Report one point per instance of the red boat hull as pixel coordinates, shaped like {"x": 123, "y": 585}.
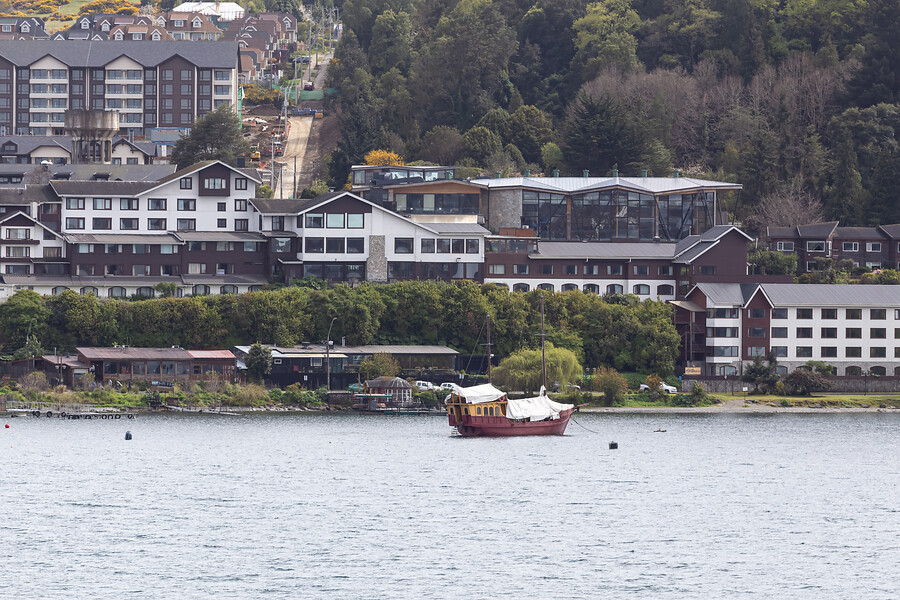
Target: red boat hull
{"x": 476, "y": 426}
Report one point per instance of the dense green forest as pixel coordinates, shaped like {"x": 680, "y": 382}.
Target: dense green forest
{"x": 621, "y": 331}
{"x": 798, "y": 100}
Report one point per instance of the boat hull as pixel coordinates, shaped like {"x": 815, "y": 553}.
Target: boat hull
{"x": 473, "y": 426}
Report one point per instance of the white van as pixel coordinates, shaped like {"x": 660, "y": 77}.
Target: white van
{"x": 425, "y": 385}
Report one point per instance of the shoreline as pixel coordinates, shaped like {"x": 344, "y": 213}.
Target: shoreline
{"x": 737, "y": 406}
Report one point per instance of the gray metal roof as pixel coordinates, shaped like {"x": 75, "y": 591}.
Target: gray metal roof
{"x": 825, "y": 295}
{"x": 821, "y": 230}
{"x": 82, "y": 53}
{"x": 317, "y": 349}
{"x": 27, "y": 194}
{"x": 467, "y": 228}
{"x": 604, "y": 250}
{"x": 858, "y": 233}
{"x": 730, "y": 294}
{"x": 220, "y": 236}
{"x": 283, "y": 206}
{"x": 694, "y": 252}
{"x": 573, "y": 185}
{"x": 121, "y": 238}
{"x": 100, "y": 188}
{"x": 26, "y": 144}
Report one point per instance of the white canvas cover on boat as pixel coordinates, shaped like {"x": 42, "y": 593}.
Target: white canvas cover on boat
{"x": 535, "y": 409}
{"x": 480, "y": 393}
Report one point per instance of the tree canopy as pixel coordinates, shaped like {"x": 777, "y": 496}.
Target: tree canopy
{"x": 215, "y": 136}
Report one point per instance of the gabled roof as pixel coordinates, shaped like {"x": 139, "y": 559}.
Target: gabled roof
{"x": 190, "y": 170}
{"x": 573, "y": 185}
{"x": 795, "y": 294}
{"x": 33, "y": 220}
{"x": 75, "y": 53}
{"x": 858, "y": 233}
{"x": 729, "y": 294}
{"x": 124, "y": 189}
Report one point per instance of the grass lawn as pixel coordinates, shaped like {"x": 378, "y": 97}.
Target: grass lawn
{"x": 824, "y": 399}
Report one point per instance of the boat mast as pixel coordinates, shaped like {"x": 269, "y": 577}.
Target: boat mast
{"x": 543, "y": 351}
{"x": 489, "y": 346}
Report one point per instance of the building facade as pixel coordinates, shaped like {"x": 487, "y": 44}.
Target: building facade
{"x": 145, "y": 85}
{"x": 817, "y": 244}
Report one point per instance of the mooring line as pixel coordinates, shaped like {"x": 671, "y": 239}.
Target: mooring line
{"x": 583, "y": 427}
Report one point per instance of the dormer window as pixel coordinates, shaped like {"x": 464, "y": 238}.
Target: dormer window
{"x": 155, "y": 36}
{"x": 137, "y": 36}
{"x": 161, "y": 22}
{"x": 25, "y": 28}
{"x": 119, "y": 36}
{"x": 179, "y": 22}
{"x": 7, "y": 28}
{"x": 104, "y": 26}
{"x": 85, "y": 25}
{"x": 196, "y": 23}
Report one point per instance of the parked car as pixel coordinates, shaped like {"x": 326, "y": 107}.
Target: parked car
{"x": 356, "y": 388}
{"x": 450, "y": 387}
{"x": 425, "y": 385}
{"x": 665, "y": 387}
{"x": 308, "y": 86}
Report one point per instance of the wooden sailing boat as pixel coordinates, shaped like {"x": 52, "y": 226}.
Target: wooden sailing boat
{"x": 483, "y": 410}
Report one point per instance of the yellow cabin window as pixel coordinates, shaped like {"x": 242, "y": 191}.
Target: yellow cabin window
{"x": 478, "y": 410}
{"x": 491, "y": 409}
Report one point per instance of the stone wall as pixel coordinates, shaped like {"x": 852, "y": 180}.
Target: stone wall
{"x": 376, "y": 264}
{"x": 504, "y": 209}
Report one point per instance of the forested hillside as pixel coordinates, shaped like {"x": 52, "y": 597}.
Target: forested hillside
{"x": 797, "y": 99}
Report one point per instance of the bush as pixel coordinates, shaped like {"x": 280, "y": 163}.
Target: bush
{"x": 612, "y": 384}
{"x": 682, "y": 400}
{"x": 698, "y": 393}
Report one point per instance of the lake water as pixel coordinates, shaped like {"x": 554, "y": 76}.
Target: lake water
{"x": 349, "y": 506}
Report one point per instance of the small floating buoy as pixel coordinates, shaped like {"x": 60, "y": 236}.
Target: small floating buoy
{"x": 613, "y": 445}
{"x": 7, "y": 426}
{"x": 127, "y": 435}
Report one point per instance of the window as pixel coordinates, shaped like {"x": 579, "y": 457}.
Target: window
{"x": 665, "y": 271}
{"x": 187, "y": 204}
{"x": 240, "y": 205}
{"x": 779, "y": 313}
{"x": 877, "y": 352}
{"x": 546, "y": 269}
{"x": 756, "y": 332}
{"x": 156, "y": 204}
{"x": 334, "y": 245}
{"x": 240, "y": 183}
{"x": 355, "y": 221}
{"x": 104, "y": 223}
{"x": 168, "y": 249}
{"x": 665, "y": 290}
{"x": 102, "y": 203}
{"x": 779, "y": 351}
{"x": 128, "y": 204}
{"x": 641, "y": 270}
{"x": 722, "y": 332}
{"x": 853, "y": 352}
{"x": 853, "y": 333}
{"x": 215, "y": 183}
{"x": 877, "y": 333}
{"x": 403, "y": 245}
{"x": 241, "y": 224}
{"x": 496, "y": 269}
{"x": 128, "y": 224}
{"x": 804, "y": 351}
{"x": 722, "y": 351}
{"x": 185, "y": 183}
{"x": 804, "y": 332}
{"x": 785, "y": 246}
{"x": 443, "y": 246}
{"x": 314, "y": 245}
{"x": 74, "y": 222}
{"x": 18, "y": 233}
{"x": 222, "y": 223}
{"x": 779, "y": 332}
{"x": 428, "y": 246}
{"x": 520, "y": 269}
{"x": 877, "y": 314}
{"x": 615, "y": 288}
{"x": 186, "y": 224}
{"x": 873, "y": 247}
{"x": 334, "y": 220}
{"x": 754, "y": 351}
{"x": 850, "y": 247}
{"x": 456, "y": 245}
{"x": 140, "y": 270}
{"x": 355, "y": 246}
{"x": 472, "y": 246}
{"x": 829, "y": 313}
{"x": 756, "y": 313}
{"x": 707, "y": 270}
{"x": 829, "y": 351}
{"x": 829, "y": 332}
{"x": 156, "y": 224}
{"x": 75, "y": 203}
{"x": 817, "y": 246}
{"x": 804, "y": 313}
{"x": 854, "y": 313}
{"x": 723, "y": 313}
{"x": 642, "y": 289}
{"x": 613, "y": 269}
{"x": 18, "y": 251}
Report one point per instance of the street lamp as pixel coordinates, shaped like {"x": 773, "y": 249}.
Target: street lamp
{"x": 328, "y": 356}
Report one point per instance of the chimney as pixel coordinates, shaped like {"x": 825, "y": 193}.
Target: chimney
{"x": 644, "y": 173}
{"x": 527, "y": 172}
{"x": 556, "y": 172}
{"x": 586, "y": 173}
{"x": 676, "y": 173}
{"x": 615, "y": 172}
{"x": 497, "y": 175}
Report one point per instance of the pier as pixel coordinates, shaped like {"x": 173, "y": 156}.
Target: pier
{"x": 50, "y": 410}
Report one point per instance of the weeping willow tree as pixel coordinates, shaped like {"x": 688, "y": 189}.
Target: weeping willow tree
{"x": 522, "y": 370}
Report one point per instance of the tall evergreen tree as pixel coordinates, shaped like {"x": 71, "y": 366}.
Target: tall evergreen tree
{"x": 216, "y": 136}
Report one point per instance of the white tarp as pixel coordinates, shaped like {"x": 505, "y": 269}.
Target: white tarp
{"x": 535, "y": 409}
{"x": 480, "y": 393}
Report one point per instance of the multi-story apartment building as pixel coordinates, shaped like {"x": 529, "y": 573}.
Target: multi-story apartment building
{"x": 855, "y": 328}
{"x": 147, "y": 85}
{"x": 867, "y": 247}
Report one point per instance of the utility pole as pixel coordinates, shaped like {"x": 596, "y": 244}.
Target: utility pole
{"x": 328, "y": 356}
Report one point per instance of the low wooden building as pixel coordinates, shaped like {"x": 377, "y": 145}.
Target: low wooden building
{"x": 168, "y": 365}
